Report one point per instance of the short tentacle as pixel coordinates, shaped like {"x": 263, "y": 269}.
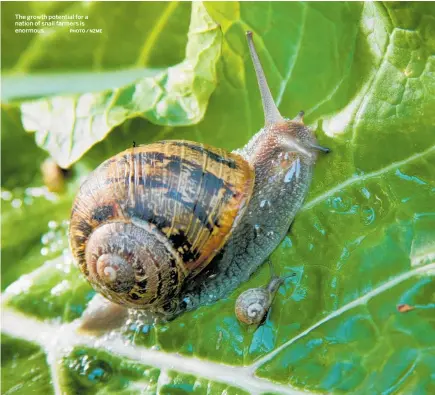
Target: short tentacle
{"x": 300, "y": 117}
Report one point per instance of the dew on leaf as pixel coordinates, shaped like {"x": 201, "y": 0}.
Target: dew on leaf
{"x": 52, "y": 224}
{"x": 90, "y": 371}
{"x": 6, "y": 195}
{"x": 365, "y": 192}
{"x": 368, "y": 215}
{"x": 342, "y": 205}
{"x": 55, "y": 240}
{"x": 47, "y": 237}
{"x": 16, "y": 203}
{"x": 41, "y": 192}
{"x": 60, "y": 288}
{"x": 406, "y": 177}
{"x": 54, "y": 247}
{"x": 21, "y": 286}
{"x": 320, "y": 228}
{"x": 287, "y": 242}
{"x": 299, "y": 294}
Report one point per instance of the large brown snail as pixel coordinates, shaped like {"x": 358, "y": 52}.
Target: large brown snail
{"x": 174, "y": 225}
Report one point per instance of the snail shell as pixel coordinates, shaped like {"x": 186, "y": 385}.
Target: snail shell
{"x": 253, "y": 304}
{"x": 153, "y": 216}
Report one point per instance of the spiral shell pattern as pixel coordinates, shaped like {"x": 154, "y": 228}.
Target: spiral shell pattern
{"x": 253, "y": 305}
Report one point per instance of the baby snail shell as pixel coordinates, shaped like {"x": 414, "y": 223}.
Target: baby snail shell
{"x": 253, "y": 305}
{"x": 168, "y": 227}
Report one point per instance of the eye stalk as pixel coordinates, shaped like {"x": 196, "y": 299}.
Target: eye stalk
{"x": 271, "y": 112}
{"x": 272, "y": 115}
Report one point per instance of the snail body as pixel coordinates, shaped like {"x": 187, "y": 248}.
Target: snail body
{"x": 174, "y": 225}
{"x": 253, "y": 304}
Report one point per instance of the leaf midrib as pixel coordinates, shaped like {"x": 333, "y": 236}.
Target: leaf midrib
{"x": 63, "y": 337}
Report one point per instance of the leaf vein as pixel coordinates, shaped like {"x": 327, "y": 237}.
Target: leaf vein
{"x": 427, "y": 269}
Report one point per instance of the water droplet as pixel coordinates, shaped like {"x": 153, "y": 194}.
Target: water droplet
{"x": 319, "y": 228}
{"x": 342, "y": 205}
{"x": 60, "y": 288}
{"x": 52, "y": 224}
{"x": 44, "y": 251}
{"x": 264, "y": 202}
{"x": 287, "y": 242}
{"x": 53, "y": 247}
{"x": 368, "y": 215}
{"x": 406, "y": 177}
{"x": 45, "y": 239}
{"x": 67, "y": 259}
{"x": 187, "y": 300}
{"x": 6, "y": 195}
{"x": 365, "y": 192}
{"x": 90, "y": 371}
{"x": 41, "y": 192}
{"x": 16, "y": 203}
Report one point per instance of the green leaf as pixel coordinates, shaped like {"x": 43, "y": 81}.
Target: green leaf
{"x": 67, "y": 126}
{"x": 133, "y": 34}
{"x": 24, "y": 368}
{"x": 90, "y": 371}
{"x": 27, "y": 207}
{"x": 361, "y": 247}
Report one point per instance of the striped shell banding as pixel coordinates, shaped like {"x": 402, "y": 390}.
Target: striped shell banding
{"x": 164, "y": 210}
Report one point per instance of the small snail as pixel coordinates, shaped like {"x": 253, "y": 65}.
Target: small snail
{"x": 253, "y": 305}
{"x": 173, "y": 225}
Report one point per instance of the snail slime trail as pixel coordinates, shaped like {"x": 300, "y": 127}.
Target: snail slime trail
{"x": 173, "y": 225}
